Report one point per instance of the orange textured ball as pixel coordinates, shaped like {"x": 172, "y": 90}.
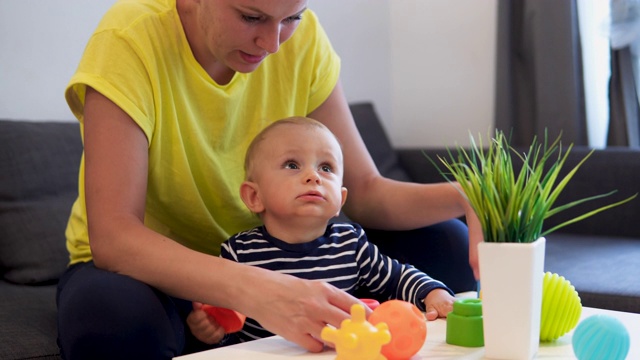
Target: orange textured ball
{"x": 407, "y": 325}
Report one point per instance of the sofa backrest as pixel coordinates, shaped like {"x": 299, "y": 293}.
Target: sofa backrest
{"x": 39, "y": 164}
{"x": 377, "y": 141}
{"x": 613, "y": 168}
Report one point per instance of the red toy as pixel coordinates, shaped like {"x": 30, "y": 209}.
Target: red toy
{"x": 232, "y": 321}
{"x": 371, "y": 303}
{"x": 407, "y": 325}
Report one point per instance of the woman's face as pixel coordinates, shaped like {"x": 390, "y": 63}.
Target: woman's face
{"x": 238, "y": 34}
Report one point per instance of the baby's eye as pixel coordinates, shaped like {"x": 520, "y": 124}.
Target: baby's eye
{"x": 291, "y": 165}
{"x": 326, "y": 168}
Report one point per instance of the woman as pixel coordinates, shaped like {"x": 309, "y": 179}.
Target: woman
{"x": 169, "y": 94}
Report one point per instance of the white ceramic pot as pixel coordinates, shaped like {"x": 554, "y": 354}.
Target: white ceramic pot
{"x": 511, "y": 283}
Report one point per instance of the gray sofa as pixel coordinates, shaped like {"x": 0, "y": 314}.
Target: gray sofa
{"x": 38, "y": 177}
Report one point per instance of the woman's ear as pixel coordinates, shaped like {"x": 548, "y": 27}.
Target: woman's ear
{"x": 344, "y": 199}
{"x": 250, "y": 197}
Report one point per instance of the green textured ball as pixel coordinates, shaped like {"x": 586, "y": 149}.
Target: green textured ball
{"x": 561, "y": 307}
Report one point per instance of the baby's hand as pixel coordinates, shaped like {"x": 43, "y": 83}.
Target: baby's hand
{"x": 438, "y": 304}
{"x": 204, "y": 327}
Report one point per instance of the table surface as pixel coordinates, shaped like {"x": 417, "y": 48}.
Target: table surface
{"x": 435, "y": 346}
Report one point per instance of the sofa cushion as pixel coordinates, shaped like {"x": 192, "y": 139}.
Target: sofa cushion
{"x": 28, "y": 322}
{"x": 39, "y": 164}
{"x": 604, "y": 270}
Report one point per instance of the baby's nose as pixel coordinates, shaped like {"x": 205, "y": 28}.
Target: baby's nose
{"x": 313, "y": 177}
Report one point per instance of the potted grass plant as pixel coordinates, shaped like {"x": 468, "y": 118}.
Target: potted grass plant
{"x": 512, "y": 206}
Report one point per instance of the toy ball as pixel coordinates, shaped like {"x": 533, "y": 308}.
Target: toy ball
{"x": 561, "y": 307}
{"x": 601, "y": 337}
{"x": 407, "y": 326}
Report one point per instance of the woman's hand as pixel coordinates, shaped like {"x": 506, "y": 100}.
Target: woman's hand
{"x": 475, "y": 238}
{"x": 299, "y": 309}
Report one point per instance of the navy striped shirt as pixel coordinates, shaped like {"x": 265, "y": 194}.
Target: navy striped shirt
{"x": 342, "y": 257}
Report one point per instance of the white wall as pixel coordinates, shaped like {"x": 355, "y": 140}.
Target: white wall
{"x": 360, "y": 32}
{"x": 41, "y": 43}
{"x": 443, "y": 70}
{"x": 428, "y": 65}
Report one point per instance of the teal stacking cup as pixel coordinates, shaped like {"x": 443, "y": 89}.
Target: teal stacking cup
{"x": 464, "y": 323}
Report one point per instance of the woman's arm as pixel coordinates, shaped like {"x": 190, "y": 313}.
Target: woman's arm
{"x": 116, "y": 161}
{"x": 378, "y": 202}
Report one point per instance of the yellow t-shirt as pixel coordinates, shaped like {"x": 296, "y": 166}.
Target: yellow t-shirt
{"x": 198, "y": 131}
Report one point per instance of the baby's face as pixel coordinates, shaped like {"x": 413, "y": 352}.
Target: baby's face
{"x": 298, "y": 170}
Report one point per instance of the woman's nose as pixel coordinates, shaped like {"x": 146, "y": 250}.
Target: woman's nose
{"x": 269, "y": 39}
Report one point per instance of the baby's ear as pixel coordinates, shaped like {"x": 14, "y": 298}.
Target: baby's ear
{"x": 250, "y": 197}
{"x": 344, "y": 199}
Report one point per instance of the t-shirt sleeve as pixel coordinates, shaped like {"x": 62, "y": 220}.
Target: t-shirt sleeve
{"x": 326, "y": 69}
{"x": 113, "y": 65}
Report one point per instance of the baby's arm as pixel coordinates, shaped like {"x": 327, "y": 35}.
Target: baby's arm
{"x": 204, "y": 327}
{"x": 438, "y": 303}
{"x": 402, "y": 281}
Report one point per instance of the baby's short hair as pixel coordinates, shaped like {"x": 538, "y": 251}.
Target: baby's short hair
{"x": 294, "y": 120}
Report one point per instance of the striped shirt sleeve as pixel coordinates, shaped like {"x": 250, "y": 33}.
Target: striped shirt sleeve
{"x": 390, "y": 279}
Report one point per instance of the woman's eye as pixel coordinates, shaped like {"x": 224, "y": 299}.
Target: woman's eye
{"x": 294, "y": 18}
{"x": 250, "y": 19}
{"x": 291, "y": 165}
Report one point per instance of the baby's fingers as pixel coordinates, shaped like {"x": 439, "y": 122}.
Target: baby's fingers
{"x": 431, "y": 313}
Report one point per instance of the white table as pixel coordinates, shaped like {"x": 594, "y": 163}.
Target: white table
{"x": 435, "y": 347}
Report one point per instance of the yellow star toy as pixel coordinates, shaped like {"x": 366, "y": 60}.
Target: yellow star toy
{"x": 357, "y": 339}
